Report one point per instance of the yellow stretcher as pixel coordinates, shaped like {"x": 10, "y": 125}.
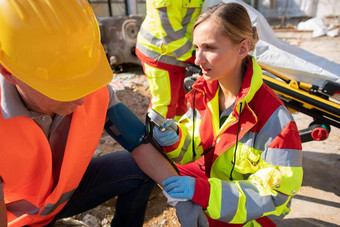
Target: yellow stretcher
{"x": 316, "y": 102}
{"x": 322, "y": 103}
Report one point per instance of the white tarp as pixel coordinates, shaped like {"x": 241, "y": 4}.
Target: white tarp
{"x": 318, "y": 27}
{"x": 287, "y": 8}
{"x": 285, "y": 59}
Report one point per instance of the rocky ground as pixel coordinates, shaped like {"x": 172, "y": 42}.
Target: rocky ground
{"x": 318, "y": 201}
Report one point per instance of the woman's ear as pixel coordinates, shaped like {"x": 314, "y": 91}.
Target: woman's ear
{"x": 244, "y": 48}
{"x": 8, "y": 76}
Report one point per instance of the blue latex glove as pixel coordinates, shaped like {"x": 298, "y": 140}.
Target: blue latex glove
{"x": 182, "y": 187}
{"x": 167, "y": 137}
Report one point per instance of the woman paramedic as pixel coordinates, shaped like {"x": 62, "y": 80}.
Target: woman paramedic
{"x": 238, "y": 148}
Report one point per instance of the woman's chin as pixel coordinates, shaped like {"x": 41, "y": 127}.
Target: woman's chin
{"x": 207, "y": 77}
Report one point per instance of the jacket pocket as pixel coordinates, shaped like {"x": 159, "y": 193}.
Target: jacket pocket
{"x": 247, "y": 159}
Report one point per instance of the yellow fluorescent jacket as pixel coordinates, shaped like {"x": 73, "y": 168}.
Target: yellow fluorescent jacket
{"x": 26, "y": 164}
{"x": 166, "y": 32}
{"x": 268, "y": 159}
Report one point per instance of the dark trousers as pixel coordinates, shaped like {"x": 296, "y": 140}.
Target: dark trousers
{"x": 107, "y": 176}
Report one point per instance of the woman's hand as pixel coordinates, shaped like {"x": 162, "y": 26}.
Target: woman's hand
{"x": 167, "y": 137}
{"x": 180, "y": 187}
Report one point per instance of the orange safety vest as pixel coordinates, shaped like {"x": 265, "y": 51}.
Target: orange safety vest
{"x": 26, "y": 162}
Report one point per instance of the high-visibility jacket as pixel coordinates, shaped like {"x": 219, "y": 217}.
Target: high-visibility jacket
{"x": 166, "y": 32}
{"x": 26, "y": 162}
{"x": 252, "y": 174}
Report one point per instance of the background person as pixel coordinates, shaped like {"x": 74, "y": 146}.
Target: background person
{"x": 243, "y": 143}
{"x": 164, "y": 46}
{"x": 55, "y": 102}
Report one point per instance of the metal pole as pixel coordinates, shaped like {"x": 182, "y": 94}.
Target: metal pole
{"x": 131, "y": 7}
{"x": 110, "y": 9}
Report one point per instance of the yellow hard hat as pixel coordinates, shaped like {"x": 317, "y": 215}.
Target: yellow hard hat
{"x": 53, "y": 46}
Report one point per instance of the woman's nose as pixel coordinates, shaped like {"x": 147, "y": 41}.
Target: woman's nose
{"x": 199, "y": 59}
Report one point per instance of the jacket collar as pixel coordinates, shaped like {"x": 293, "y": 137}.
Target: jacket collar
{"x": 251, "y": 83}
{"x": 11, "y": 102}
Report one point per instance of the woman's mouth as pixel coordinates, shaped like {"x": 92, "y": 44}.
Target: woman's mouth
{"x": 205, "y": 71}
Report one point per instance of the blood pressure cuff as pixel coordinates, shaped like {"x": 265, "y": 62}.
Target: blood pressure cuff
{"x": 125, "y": 127}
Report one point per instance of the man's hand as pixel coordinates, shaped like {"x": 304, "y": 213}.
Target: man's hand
{"x": 190, "y": 214}
{"x": 167, "y": 137}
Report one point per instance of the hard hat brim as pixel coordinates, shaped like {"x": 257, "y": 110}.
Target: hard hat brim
{"x": 76, "y": 88}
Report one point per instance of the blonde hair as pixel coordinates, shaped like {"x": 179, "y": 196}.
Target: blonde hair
{"x": 234, "y": 20}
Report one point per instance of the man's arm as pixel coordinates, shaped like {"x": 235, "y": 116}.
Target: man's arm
{"x": 125, "y": 127}
{"x": 152, "y": 163}
{"x": 129, "y": 131}
{"x": 3, "y": 214}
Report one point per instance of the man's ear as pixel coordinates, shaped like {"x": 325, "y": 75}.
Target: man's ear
{"x": 244, "y": 48}
{"x": 8, "y": 76}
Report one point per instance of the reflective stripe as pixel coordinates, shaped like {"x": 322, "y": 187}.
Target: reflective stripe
{"x": 229, "y": 203}
{"x": 248, "y": 139}
{"x": 278, "y": 219}
{"x": 158, "y": 57}
{"x": 273, "y": 127}
{"x": 189, "y": 114}
{"x": 188, "y": 17}
{"x": 148, "y": 36}
{"x": 183, "y": 49}
{"x": 170, "y": 37}
{"x": 21, "y": 207}
{"x": 274, "y": 156}
{"x": 279, "y": 199}
{"x": 51, "y": 207}
{"x": 184, "y": 148}
{"x": 283, "y": 157}
{"x": 171, "y": 34}
{"x": 188, "y": 140}
{"x": 256, "y": 205}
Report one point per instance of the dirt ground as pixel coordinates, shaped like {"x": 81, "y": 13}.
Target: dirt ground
{"x": 317, "y": 203}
